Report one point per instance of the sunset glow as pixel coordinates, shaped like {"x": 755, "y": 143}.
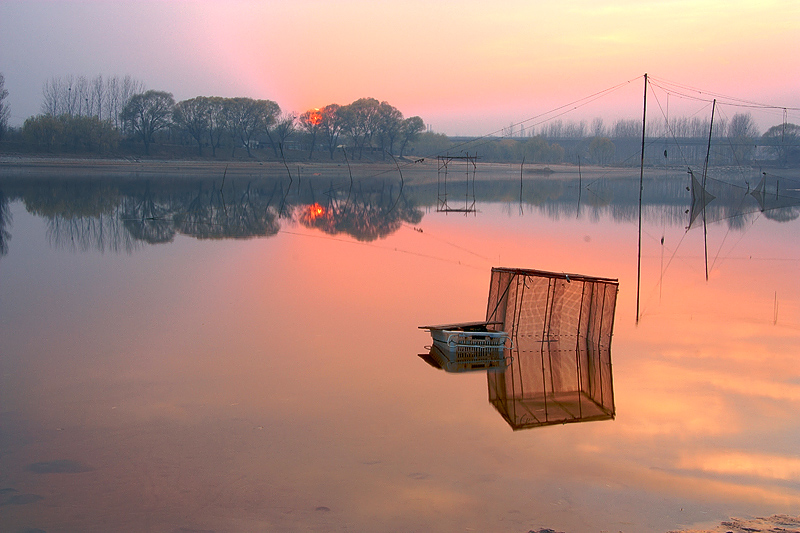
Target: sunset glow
{"x": 313, "y": 212}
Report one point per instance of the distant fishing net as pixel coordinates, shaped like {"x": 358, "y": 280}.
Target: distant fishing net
{"x": 561, "y": 327}
{"x": 776, "y": 197}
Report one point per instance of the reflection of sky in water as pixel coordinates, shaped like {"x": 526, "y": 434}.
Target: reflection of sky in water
{"x": 273, "y": 383}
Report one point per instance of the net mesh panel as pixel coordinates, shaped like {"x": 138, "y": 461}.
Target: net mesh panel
{"x": 701, "y": 197}
{"x": 561, "y": 329}
{"x": 780, "y": 195}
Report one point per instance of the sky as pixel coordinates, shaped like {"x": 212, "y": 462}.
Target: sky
{"x": 467, "y": 67}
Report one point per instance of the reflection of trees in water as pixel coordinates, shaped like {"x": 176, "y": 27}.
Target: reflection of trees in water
{"x": 203, "y": 214}
{"x": 71, "y": 199}
{"x": 86, "y": 217}
{"x": 148, "y": 218}
{"x": 119, "y": 216}
{"x": 783, "y": 214}
{"x": 105, "y": 232}
{"x": 81, "y": 216}
{"x": 364, "y": 215}
{"x": 210, "y": 216}
{"x": 5, "y": 222}
{"x": 665, "y": 201}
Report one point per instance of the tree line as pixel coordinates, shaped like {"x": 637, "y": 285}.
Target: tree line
{"x": 97, "y": 114}
{"x": 737, "y": 141}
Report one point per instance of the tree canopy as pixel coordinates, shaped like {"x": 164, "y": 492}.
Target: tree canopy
{"x": 146, "y": 113}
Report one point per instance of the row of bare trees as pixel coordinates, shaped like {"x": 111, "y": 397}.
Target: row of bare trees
{"x": 101, "y": 97}
{"x": 4, "y": 109}
{"x": 740, "y": 125}
{"x": 738, "y": 136}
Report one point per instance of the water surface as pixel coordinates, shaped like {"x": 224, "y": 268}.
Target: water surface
{"x": 192, "y": 354}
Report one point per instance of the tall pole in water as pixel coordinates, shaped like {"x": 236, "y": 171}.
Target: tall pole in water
{"x": 641, "y": 186}
{"x": 703, "y": 192}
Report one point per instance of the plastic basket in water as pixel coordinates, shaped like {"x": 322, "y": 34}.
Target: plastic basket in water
{"x": 471, "y": 346}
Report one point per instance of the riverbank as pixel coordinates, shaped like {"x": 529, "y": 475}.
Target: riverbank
{"x": 418, "y": 170}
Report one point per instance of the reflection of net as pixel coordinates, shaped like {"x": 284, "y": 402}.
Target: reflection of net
{"x": 561, "y": 328}
{"x": 777, "y": 197}
{"x": 700, "y": 199}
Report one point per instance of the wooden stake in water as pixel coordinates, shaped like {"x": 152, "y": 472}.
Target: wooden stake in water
{"x": 775, "y": 312}
{"x": 641, "y": 186}
{"x": 703, "y": 192}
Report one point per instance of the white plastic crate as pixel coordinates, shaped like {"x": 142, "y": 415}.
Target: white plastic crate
{"x": 461, "y": 347}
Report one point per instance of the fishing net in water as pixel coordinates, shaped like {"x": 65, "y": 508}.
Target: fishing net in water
{"x": 714, "y": 200}
{"x": 560, "y": 326}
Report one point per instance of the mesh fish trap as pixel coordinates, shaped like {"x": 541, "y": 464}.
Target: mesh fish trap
{"x": 560, "y": 326}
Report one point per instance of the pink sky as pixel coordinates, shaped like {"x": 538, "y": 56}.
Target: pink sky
{"x": 467, "y": 67}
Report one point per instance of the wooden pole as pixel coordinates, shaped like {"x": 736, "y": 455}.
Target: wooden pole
{"x": 641, "y": 186}
{"x": 703, "y": 192}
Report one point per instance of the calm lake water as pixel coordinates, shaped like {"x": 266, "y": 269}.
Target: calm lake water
{"x": 181, "y": 354}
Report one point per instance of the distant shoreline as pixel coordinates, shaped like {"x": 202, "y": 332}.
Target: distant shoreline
{"x": 27, "y": 166}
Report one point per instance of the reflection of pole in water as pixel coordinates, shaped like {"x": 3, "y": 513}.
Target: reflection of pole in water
{"x": 402, "y": 184}
{"x": 775, "y": 312}
{"x": 641, "y": 186}
{"x": 222, "y": 192}
{"x": 661, "y": 279}
{"x": 520, "y": 184}
{"x": 705, "y": 174}
{"x": 289, "y": 188}
{"x": 580, "y": 187}
{"x": 349, "y": 171}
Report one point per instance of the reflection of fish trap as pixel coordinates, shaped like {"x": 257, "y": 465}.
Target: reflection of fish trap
{"x": 561, "y": 327}
{"x": 468, "y": 346}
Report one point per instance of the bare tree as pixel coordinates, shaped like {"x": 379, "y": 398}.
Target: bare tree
{"x": 310, "y": 123}
{"x": 280, "y": 131}
{"x": 52, "y": 100}
{"x": 248, "y": 118}
{"x": 146, "y": 113}
{"x": 217, "y": 122}
{"x": 555, "y": 129}
{"x": 742, "y": 134}
{"x": 80, "y": 96}
{"x": 193, "y": 116}
{"x": 742, "y": 125}
{"x": 111, "y": 101}
{"x": 97, "y": 95}
{"x": 390, "y": 123}
{"x": 361, "y": 120}
{"x": 5, "y": 111}
{"x": 575, "y": 130}
{"x": 331, "y": 125}
{"x": 626, "y": 128}
{"x": 65, "y": 96}
{"x": 601, "y": 149}
{"x": 784, "y": 141}
{"x": 698, "y": 127}
{"x": 101, "y": 97}
{"x": 598, "y": 129}
{"x": 410, "y": 131}
{"x": 128, "y": 87}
